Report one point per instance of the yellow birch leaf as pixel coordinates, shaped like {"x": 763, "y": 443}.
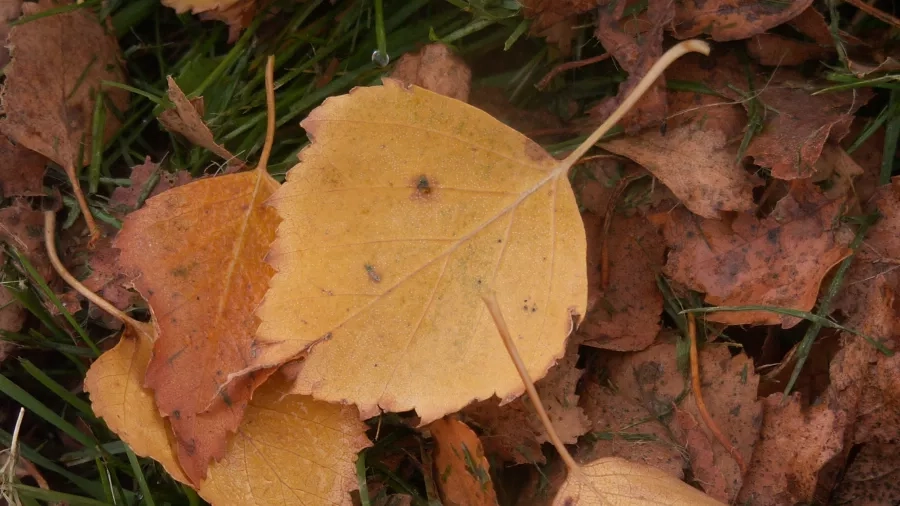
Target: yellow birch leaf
{"x": 291, "y": 450}
{"x": 406, "y": 207}
{"x": 612, "y": 481}
{"x": 115, "y": 383}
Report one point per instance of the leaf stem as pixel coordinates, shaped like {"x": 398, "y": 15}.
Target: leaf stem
{"x": 270, "y": 109}
{"x": 675, "y": 52}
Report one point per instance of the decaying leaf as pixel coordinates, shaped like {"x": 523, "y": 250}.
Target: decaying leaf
{"x": 798, "y": 124}
{"x": 624, "y": 315}
{"x": 58, "y": 63}
{"x": 513, "y": 432}
{"x": 200, "y": 249}
{"x": 437, "y": 69}
{"x": 9, "y": 11}
{"x": 547, "y": 13}
{"x": 635, "y": 53}
{"x": 732, "y": 19}
{"x": 651, "y": 379}
{"x": 623, "y": 427}
{"x": 794, "y": 444}
{"x": 187, "y": 119}
{"x": 147, "y": 180}
{"x": 288, "y": 450}
{"x": 237, "y": 14}
{"x": 23, "y": 229}
{"x": 115, "y": 384}
{"x": 21, "y": 170}
{"x": 696, "y": 158}
{"x": 836, "y": 170}
{"x": 612, "y": 480}
{"x": 777, "y": 261}
{"x": 462, "y": 471}
{"x": 385, "y": 249}
{"x": 871, "y": 479}
{"x": 776, "y": 50}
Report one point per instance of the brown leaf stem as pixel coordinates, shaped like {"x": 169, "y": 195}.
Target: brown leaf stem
{"x": 83, "y": 205}
{"x": 562, "y": 67}
{"x": 270, "y": 116}
{"x": 698, "y": 397}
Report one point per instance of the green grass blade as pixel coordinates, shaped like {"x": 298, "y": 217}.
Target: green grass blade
{"x": 139, "y": 476}
{"x": 58, "y": 497}
{"x": 70, "y": 398}
{"x": 38, "y": 408}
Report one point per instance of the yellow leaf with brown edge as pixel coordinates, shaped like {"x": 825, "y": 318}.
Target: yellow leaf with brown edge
{"x": 612, "y": 481}
{"x": 291, "y": 450}
{"x": 200, "y": 249}
{"x": 404, "y": 209}
{"x": 115, "y": 383}
{"x": 462, "y": 470}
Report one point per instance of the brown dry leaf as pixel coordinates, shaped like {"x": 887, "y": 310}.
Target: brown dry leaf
{"x": 812, "y": 23}
{"x": 462, "y": 471}
{"x": 58, "y": 63}
{"x": 798, "y": 124}
{"x": 437, "y": 69}
{"x": 23, "y": 229}
{"x": 9, "y": 11}
{"x": 612, "y": 480}
{"x": 200, "y": 249}
{"x": 871, "y": 479}
{"x": 108, "y": 277}
{"x": 21, "y": 170}
{"x": 237, "y": 14}
{"x": 651, "y": 379}
{"x": 838, "y": 170}
{"x": 635, "y": 53}
{"x": 513, "y": 432}
{"x": 289, "y": 450}
{"x": 623, "y": 427}
{"x": 625, "y": 316}
{"x": 794, "y": 444}
{"x": 186, "y": 118}
{"x": 696, "y": 158}
{"x": 777, "y": 261}
{"x": 386, "y": 248}
{"x": 732, "y": 19}
{"x": 115, "y": 384}
{"x": 547, "y": 13}
{"x": 776, "y": 50}
{"x": 147, "y": 180}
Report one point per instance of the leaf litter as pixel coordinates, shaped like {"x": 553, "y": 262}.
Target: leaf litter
{"x": 746, "y": 181}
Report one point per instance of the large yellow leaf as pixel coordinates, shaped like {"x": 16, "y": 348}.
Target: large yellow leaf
{"x": 407, "y": 207}
{"x": 291, "y": 450}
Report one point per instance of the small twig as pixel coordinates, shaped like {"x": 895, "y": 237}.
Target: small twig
{"x": 568, "y": 66}
{"x": 607, "y": 222}
{"x": 698, "y": 398}
{"x": 875, "y": 13}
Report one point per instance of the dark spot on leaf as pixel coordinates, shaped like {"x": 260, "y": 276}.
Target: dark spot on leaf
{"x": 425, "y": 187}
{"x": 225, "y": 398}
{"x": 373, "y": 275}
{"x": 176, "y": 414}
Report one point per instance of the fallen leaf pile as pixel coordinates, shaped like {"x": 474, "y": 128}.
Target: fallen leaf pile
{"x": 289, "y": 324}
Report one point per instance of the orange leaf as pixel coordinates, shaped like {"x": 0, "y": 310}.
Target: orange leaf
{"x": 776, "y": 261}
{"x": 462, "y": 469}
{"x": 407, "y": 206}
{"x": 200, "y": 249}
{"x": 291, "y": 450}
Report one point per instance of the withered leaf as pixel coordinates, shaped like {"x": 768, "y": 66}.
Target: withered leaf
{"x": 200, "y": 249}
{"x": 461, "y": 469}
{"x": 776, "y": 50}
{"x": 794, "y": 444}
{"x": 21, "y": 170}
{"x": 147, "y": 180}
{"x": 732, "y": 19}
{"x": 871, "y": 479}
{"x": 237, "y": 14}
{"x": 625, "y": 315}
{"x": 437, "y": 69}
{"x": 777, "y": 261}
{"x": 186, "y": 118}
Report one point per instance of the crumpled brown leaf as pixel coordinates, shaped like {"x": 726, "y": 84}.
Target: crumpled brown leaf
{"x": 635, "y": 53}
{"x": 777, "y": 261}
{"x": 21, "y": 170}
{"x": 777, "y": 50}
{"x": 871, "y": 479}
{"x": 58, "y": 64}
{"x": 23, "y": 229}
{"x": 732, "y": 19}
{"x": 237, "y": 14}
{"x": 147, "y": 180}
{"x": 436, "y": 68}
{"x": 186, "y": 118}
{"x": 794, "y": 444}
{"x": 547, "y": 13}
{"x": 626, "y": 314}
{"x": 513, "y": 432}
{"x": 9, "y": 11}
